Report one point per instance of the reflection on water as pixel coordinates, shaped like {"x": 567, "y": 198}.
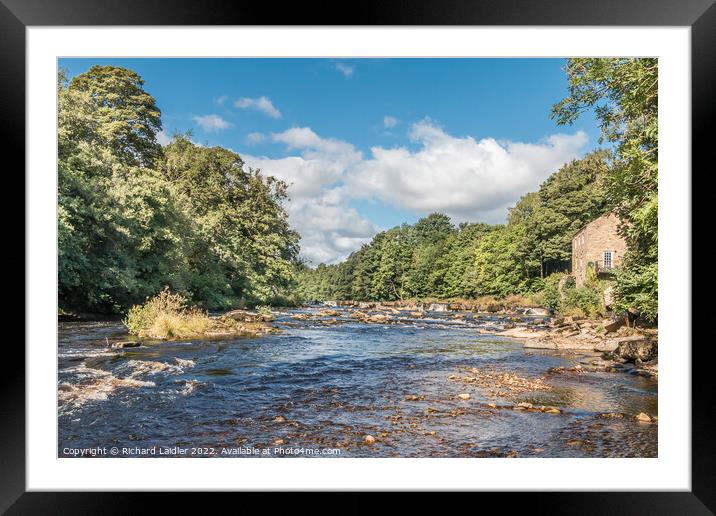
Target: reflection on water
{"x": 330, "y": 385}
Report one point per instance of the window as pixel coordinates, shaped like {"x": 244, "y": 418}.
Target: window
{"x": 607, "y": 259}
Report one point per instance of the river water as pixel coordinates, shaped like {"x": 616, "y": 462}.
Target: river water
{"x": 319, "y": 389}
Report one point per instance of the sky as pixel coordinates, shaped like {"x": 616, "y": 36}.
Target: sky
{"x": 368, "y": 144}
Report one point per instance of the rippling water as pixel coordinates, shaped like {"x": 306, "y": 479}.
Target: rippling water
{"x": 325, "y": 387}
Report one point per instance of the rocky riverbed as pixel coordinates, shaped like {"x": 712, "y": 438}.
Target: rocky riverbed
{"x": 366, "y": 381}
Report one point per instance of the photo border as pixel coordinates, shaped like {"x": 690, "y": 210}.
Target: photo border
{"x": 700, "y": 15}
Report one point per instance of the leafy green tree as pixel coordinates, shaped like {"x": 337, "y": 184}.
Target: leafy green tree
{"x": 565, "y": 202}
{"x": 115, "y": 221}
{"x": 624, "y": 95}
{"x": 498, "y": 269}
{"x": 241, "y": 224}
{"x": 126, "y": 116}
{"x": 133, "y": 219}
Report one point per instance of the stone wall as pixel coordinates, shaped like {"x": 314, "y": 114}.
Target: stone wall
{"x": 590, "y": 243}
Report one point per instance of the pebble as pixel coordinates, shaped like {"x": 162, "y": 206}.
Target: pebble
{"x": 643, "y": 418}
{"x": 279, "y": 419}
{"x": 369, "y": 439}
{"x": 463, "y": 396}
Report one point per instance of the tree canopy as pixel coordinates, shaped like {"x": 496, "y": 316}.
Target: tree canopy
{"x": 134, "y": 218}
{"x": 624, "y": 95}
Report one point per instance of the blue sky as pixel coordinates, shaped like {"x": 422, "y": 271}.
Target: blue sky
{"x": 367, "y": 144}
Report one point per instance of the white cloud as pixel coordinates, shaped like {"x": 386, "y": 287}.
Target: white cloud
{"x": 212, "y": 123}
{"x": 329, "y": 229}
{"x": 460, "y": 176}
{"x": 262, "y": 104}
{"x": 468, "y": 179}
{"x": 345, "y": 69}
{"x": 389, "y": 121}
{"x": 222, "y": 99}
{"x": 255, "y": 138}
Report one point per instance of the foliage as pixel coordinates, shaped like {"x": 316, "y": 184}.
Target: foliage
{"x": 570, "y": 198}
{"x": 133, "y": 217}
{"x": 166, "y": 315}
{"x": 624, "y": 94}
{"x": 636, "y": 286}
{"x": 125, "y": 116}
{"x": 551, "y": 295}
{"x": 264, "y": 310}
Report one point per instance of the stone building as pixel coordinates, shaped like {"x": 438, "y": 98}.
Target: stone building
{"x": 598, "y": 245}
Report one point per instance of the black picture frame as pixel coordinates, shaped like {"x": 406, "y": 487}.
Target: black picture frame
{"x": 700, "y": 15}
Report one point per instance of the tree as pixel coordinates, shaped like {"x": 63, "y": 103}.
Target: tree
{"x": 133, "y": 219}
{"x": 624, "y": 94}
{"x": 498, "y": 270}
{"x": 126, "y": 116}
{"x": 117, "y": 225}
{"x": 244, "y": 239}
{"x": 565, "y": 202}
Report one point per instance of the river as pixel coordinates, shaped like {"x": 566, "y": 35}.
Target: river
{"x": 319, "y": 389}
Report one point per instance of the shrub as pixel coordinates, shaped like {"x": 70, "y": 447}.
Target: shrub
{"x": 586, "y": 301}
{"x": 550, "y": 294}
{"x": 264, "y": 310}
{"x": 166, "y": 315}
{"x": 637, "y": 286}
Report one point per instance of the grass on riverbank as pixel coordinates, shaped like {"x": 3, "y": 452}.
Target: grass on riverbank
{"x": 167, "y": 316}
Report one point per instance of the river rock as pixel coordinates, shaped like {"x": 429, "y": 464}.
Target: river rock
{"x": 615, "y": 325}
{"x": 126, "y": 344}
{"x": 643, "y": 418}
{"x": 580, "y": 342}
{"x": 438, "y": 307}
{"x": 329, "y": 313}
{"x": 632, "y": 348}
{"x": 369, "y": 439}
{"x": 463, "y": 396}
{"x": 540, "y": 344}
{"x": 537, "y": 311}
{"x": 606, "y": 346}
{"x": 248, "y": 316}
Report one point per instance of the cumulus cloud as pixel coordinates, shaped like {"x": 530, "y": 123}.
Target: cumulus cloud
{"x": 212, "y": 123}
{"x": 389, "y": 121}
{"x": 262, "y": 104}
{"x": 330, "y": 230}
{"x": 345, "y": 69}
{"x": 468, "y": 179}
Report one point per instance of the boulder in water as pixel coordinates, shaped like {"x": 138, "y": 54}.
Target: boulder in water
{"x": 248, "y": 316}
{"x": 126, "y": 344}
{"x": 630, "y": 349}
